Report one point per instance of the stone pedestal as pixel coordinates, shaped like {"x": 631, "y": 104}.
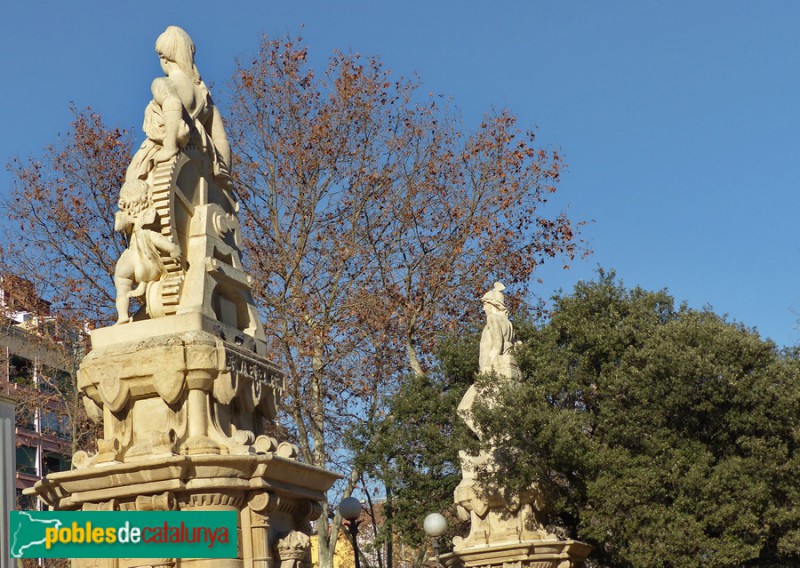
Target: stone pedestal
{"x": 505, "y": 531}
{"x": 183, "y": 415}
{"x": 541, "y": 553}
{"x": 274, "y": 496}
{"x": 183, "y": 391}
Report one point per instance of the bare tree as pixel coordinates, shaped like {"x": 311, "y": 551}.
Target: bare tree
{"x": 61, "y": 207}
{"x": 373, "y": 220}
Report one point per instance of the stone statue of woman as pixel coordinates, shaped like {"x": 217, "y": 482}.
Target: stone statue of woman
{"x": 180, "y": 113}
{"x": 496, "y": 349}
{"x": 511, "y": 513}
{"x": 497, "y": 337}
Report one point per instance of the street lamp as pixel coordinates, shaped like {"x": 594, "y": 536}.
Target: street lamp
{"x": 435, "y": 526}
{"x": 350, "y": 510}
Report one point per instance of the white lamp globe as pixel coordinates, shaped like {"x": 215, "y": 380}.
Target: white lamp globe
{"x": 435, "y": 525}
{"x": 350, "y": 508}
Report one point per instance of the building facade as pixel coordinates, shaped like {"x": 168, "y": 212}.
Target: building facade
{"x": 34, "y": 374}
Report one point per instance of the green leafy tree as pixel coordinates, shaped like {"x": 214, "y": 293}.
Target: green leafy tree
{"x": 412, "y": 455}
{"x": 662, "y": 435}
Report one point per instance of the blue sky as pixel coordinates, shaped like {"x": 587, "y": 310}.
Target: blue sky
{"x": 679, "y": 120}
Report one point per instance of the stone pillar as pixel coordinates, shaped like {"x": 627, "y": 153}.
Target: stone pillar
{"x": 7, "y": 472}
{"x": 255, "y": 530}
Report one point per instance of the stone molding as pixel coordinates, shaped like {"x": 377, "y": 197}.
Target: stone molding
{"x": 540, "y": 553}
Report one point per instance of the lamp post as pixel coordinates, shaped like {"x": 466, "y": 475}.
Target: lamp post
{"x": 435, "y": 526}
{"x": 350, "y": 510}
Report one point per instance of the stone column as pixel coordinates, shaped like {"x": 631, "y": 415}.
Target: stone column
{"x": 256, "y": 531}
{"x": 7, "y": 472}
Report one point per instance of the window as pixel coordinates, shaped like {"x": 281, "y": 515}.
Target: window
{"x": 50, "y": 424}
{"x": 20, "y": 370}
{"x": 25, "y": 502}
{"x": 63, "y": 431}
{"x": 63, "y": 380}
{"x": 53, "y": 380}
{"x": 55, "y": 462}
{"x": 55, "y": 425}
{"x": 26, "y": 417}
{"x": 26, "y": 460}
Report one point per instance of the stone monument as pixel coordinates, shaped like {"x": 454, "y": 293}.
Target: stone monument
{"x": 183, "y": 384}
{"x": 505, "y": 530}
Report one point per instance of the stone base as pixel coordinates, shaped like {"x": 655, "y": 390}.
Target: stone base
{"x": 496, "y": 516}
{"x": 529, "y": 554}
{"x": 188, "y": 392}
{"x": 275, "y": 498}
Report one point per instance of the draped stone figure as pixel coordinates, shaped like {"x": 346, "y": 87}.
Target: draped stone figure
{"x": 505, "y": 527}
{"x": 497, "y": 338}
{"x": 184, "y": 253}
{"x": 181, "y": 112}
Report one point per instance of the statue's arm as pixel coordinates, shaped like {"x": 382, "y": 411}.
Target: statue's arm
{"x": 122, "y": 221}
{"x": 491, "y": 345}
{"x": 147, "y": 217}
{"x": 164, "y": 244}
{"x": 162, "y": 89}
{"x": 175, "y": 130}
{"x": 216, "y": 130}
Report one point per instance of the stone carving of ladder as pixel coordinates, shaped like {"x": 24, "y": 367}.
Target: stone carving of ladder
{"x": 172, "y": 278}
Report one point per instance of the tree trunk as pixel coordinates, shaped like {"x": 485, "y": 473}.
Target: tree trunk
{"x": 388, "y": 511}
{"x": 422, "y": 556}
{"x": 327, "y": 535}
{"x": 413, "y": 360}
{"x": 324, "y": 550}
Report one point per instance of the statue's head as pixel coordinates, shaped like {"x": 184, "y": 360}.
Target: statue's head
{"x": 135, "y": 197}
{"x": 494, "y": 298}
{"x": 176, "y": 46}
